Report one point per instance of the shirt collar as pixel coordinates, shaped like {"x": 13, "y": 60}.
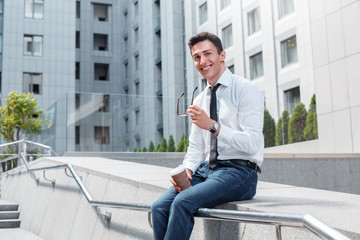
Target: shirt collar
{"x": 223, "y": 80}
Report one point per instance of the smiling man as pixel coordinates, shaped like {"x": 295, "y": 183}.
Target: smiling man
{"x": 225, "y": 145}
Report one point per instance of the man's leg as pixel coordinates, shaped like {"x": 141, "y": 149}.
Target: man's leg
{"x": 223, "y": 184}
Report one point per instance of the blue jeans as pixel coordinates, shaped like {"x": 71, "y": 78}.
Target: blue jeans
{"x": 172, "y": 212}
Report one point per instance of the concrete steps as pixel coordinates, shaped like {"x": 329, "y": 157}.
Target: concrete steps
{"x": 9, "y": 215}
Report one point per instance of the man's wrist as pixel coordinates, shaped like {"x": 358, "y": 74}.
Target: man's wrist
{"x": 214, "y": 128}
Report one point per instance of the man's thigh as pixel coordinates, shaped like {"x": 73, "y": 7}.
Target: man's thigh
{"x": 224, "y": 184}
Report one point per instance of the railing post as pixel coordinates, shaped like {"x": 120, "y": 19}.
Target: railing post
{"x": 278, "y": 232}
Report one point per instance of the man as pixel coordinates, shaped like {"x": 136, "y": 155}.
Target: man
{"x": 224, "y": 152}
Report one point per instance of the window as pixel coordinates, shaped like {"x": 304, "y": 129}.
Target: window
{"x": 292, "y": 98}
{"x": 136, "y": 34}
{"x": 231, "y": 68}
{"x": 105, "y": 104}
{"x": 254, "y": 21}
{"x": 33, "y": 45}
{"x": 126, "y": 18}
{"x": 126, "y": 66}
{"x": 77, "y": 39}
{"x": 137, "y": 89}
{"x": 100, "y": 12}
{"x": 126, "y": 91}
{"x": 256, "y": 66}
{"x": 77, "y": 9}
{"x": 126, "y": 120}
{"x": 289, "y": 51}
{"x": 285, "y": 7}
{"x": 137, "y": 117}
{"x": 126, "y": 44}
{"x": 224, "y": 4}
{"x": 34, "y": 9}
{"x": 100, "y": 42}
{"x": 77, "y": 70}
{"x": 138, "y": 142}
{"x": 101, "y": 135}
{"x": 77, "y": 100}
{"x": 227, "y": 36}
{"x": 136, "y": 8}
{"x": 101, "y": 72}
{"x": 77, "y": 134}
{"x": 1, "y": 6}
{"x": 203, "y": 15}
{"x": 137, "y": 62}
{"x": 32, "y": 82}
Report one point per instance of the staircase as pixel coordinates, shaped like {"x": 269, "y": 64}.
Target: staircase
{"x": 9, "y": 215}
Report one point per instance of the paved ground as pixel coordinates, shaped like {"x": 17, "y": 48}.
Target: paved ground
{"x": 17, "y": 234}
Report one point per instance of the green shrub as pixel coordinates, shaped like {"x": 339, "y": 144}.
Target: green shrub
{"x": 151, "y": 147}
{"x": 269, "y": 129}
{"x": 297, "y": 124}
{"x": 171, "y": 144}
{"x": 281, "y": 134}
{"x": 181, "y": 146}
{"x": 311, "y": 131}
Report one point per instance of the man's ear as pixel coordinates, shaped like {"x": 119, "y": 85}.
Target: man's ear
{"x": 222, "y": 56}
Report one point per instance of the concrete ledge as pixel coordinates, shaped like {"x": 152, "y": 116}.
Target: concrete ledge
{"x": 61, "y": 210}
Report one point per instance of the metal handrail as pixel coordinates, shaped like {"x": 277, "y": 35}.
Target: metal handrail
{"x": 277, "y": 219}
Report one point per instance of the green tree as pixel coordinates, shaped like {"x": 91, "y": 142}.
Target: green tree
{"x": 311, "y": 131}
{"x": 157, "y": 147}
{"x": 181, "y": 146}
{"x": 139, "y": 149}
{"x": 144, "y": 149}
{"x": 171, "y": 144}
{"x": 269, "y": 129}
{"x": 297, "y": 124}
{"x": 135, "y": 149}
{"x": 21, "y": 115}
{"x": 186, "y": 144}
{"x": 151, "y": 147}
{"x": 163, "y": 145}
{"x": 281, "y": 134}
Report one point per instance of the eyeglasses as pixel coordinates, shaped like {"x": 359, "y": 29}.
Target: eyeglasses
{"x": 178, "y": 104}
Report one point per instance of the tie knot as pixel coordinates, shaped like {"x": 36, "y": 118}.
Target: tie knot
{"x": 214, "y": 88}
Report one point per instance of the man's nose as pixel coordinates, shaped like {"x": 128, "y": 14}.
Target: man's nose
{"x": 202, "y": 60}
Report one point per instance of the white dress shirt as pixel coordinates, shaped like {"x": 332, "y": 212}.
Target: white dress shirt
{"x": 240, "y": 108}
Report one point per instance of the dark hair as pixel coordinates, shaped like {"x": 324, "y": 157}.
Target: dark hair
{"x": 206, "y": 36}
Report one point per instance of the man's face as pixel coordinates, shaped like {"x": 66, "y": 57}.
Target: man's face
{"x": 208, "y": 61}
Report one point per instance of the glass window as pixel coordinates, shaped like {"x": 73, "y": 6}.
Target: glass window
{"x": 101, "y": 72}
{"x": 285, "y": 7}
{"x": 136, "y": 8}
{"x": 137, "y": 62}
{"x": 137, "y": 89}
{"x": 289, "y": 51}
{"x": 256, "y": 66}
{"x": 101, "y": 135}
{"x": 32, "y": 82}
{"x": 100, "y": 42}
{"x": 77, "y": 100}
{"x": 77, "y": 39}
{"x": 78, "y": 9}
{"x": 33, "y": 45}
{"x": 126, "y": 44}
{"x": 126, "y": 66}
{"x": 34, "y": 9}
{"x": 77, "y": 134}
{"x": 227, "y": 36}
{"x": 1, "y": 6}
{"x": 126, "y": 120}
{"x": 105, "y": 104}
{"x": 254, "y": 21}
{"x": 126, "y": 91}
{"x": 136, "y": 33}
{"x": 203, "y": 14}
{"x": 1, "y": 43}
{"x": 224, "y": 4}
{"x": 100, "y": 12}
{"x": 137, "y": 117}
{"x": 292, "y": 98}
{"x": 77, "y": 70}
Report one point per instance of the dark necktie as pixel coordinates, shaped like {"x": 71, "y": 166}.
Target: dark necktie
{"x": 213, "y": 139}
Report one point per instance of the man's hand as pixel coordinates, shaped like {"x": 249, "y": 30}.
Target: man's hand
{"x": 200, "y": 118}
{"x": 176, "y": 187}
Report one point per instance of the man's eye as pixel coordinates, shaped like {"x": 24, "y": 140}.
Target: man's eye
{"x": 196, "y": 58}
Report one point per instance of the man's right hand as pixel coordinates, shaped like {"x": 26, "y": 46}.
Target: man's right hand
{"x": 176, "y": 187}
